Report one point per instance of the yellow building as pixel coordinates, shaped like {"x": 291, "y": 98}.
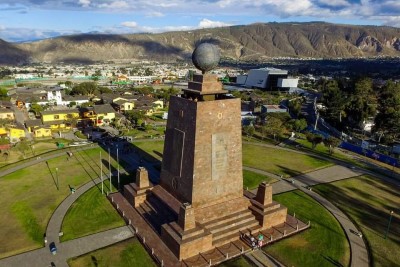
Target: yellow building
{"x": 59, "y": 119}
{"x": 158, "y": 104}
{"x": 122, "y": 105}
{"x": 16, "y": 133}
{"x": 104, "y": 114}
{"x": 38, "y": 129}
{"x": 6, "y": 114}
{"x": 42, "y": 132}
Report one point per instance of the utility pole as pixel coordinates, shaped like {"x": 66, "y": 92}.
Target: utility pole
{"x": 316, "y": 121}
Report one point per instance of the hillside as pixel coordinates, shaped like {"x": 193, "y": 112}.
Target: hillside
{"x": 245, "y": 43}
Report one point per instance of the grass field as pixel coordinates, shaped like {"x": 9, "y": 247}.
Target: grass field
{"x": 30, "y": 196}
{"x": 37, "y": 148}
{"x": 251, "y": 179}
{"x": 368, "y": 202}
{"x": 269, "y": 159}
{"x": 91, "y": 213}
{"x": 125, "y": 254}
{"x": 325, "y": 244}
{"x": 153, "y": 149}
{"x": 279, "y": 161}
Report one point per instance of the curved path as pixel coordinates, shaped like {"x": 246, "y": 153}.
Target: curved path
{"x": 359, "y": 252}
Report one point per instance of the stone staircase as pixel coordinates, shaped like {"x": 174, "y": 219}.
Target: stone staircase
{"x": 229, "y": 228}
{"x": 156, "y": 213}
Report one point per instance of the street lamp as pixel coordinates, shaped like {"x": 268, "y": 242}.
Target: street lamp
{"x": 58, "y": 185}
{"x": 390, "y": 220}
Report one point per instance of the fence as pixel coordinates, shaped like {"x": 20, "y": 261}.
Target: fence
{"x": 371, "y": 154}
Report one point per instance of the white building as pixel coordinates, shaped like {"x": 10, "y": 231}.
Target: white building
{"x": 265, "y": 78}
{"x": 288, "y": 82}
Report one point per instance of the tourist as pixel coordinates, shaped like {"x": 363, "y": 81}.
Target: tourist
{"x": 253, "y": 243}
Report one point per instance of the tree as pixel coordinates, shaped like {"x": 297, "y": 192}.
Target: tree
{"x": 85, "y": 88}
{"x": 295, "y": 107}
{"x": 314, "y": 139}
{"x": 387, "y": 121}
{"x": 4, "y": 94}
{"x": 35, "y": 107}
{"x": 331, "y": 142}
{"x": 135, "y": 116}
{"x": 249, "y": 130}
{"x": 22, "y": 147}
{"x": 362, "y": 101}
{"x": 334, "y": 100}
{"x": 273, "y": 126}
{"x": 299, "y": 125}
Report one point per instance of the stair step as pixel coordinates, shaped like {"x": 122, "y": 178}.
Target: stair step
{"x": 233, "y": 234}
{"x": 161, "y": 209}
{"x": 232, "y": 217}
{"x": 231, "y": 223}
{"x": 234, "y": 230}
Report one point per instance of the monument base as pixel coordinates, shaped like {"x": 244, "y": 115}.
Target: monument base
{"x": 185, "y": 244}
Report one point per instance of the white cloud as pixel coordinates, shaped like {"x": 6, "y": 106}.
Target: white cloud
{"x": 155, "y": 14}
{"x": 334, "y": 3}
{"x": 84, "y": 3}
{"x": 130, "y": 24}
{"x": 115, "y": 5}
{"x": 206, "y": 23}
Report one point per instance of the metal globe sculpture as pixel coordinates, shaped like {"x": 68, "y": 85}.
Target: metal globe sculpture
{"x": 206, "y": 57}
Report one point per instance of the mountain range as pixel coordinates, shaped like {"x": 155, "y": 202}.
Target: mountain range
{"x": 255, "y": 42}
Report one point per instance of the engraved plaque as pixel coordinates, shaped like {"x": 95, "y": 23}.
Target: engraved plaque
{"x": 219, "y": 155}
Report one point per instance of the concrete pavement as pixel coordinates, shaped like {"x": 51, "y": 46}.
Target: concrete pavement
{"x": 43, "y": 257}
{"x": 359, "y": 252}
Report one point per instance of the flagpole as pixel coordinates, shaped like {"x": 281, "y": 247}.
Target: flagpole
{"x": 109, "y": 167}
{"x": 101, "y": 174}
{"x": 118, "y": 169}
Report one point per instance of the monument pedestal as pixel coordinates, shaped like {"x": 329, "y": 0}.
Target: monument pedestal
{"x": 186, "y": 238}
{"x": 267, "y": 212}
{"x": 136, "y": 193}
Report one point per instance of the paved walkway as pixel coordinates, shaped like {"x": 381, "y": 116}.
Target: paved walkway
{"x": 359, "y": 252}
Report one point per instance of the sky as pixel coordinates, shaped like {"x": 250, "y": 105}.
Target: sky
{"x": 27, "y": 20}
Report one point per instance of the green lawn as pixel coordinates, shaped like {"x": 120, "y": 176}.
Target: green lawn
{"x": 251, "y": 179}
{"x": 325, "y": 244}
{"x": 280, "y": 161}
{"x": 30, "y": 196}
{"x": 91, "y": 213}
{"x": 269, "y": 159}
{"x": 368, "y": 202}
{"x": 152, "y": 150}
{"x": 128, "y": 253}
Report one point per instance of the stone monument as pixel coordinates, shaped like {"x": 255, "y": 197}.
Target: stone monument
{"x": 199, "y": 201}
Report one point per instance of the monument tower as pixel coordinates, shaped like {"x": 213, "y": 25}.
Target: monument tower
{"x": 199, "y": 201}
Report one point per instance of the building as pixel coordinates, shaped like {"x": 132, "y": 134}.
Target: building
{"x": 273, "y": 109}
{"x": 270, "y": 79}
{"x": 6, "y": 114}
{"x": 104, "y": 114}
{"x": 60, "y": 119}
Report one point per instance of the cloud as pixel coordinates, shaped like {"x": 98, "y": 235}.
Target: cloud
{"x": 115, "y": 5}
{"x": 206, "y": 23}
{"x": 129, "y": 24}
{"x": 155, "y": 14}
{"x": 29, "y": 34}
{"x": 84, "y": 3}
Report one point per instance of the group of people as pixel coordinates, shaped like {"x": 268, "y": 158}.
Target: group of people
{"x": 255, "y": 243}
